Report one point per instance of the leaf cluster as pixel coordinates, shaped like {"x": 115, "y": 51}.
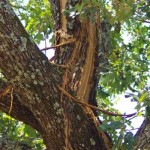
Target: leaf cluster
{"x": 19, "y": 132}
{"x": 36, "y": 17}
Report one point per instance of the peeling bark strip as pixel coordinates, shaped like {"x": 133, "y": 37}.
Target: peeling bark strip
{"x": 62, "y": 123}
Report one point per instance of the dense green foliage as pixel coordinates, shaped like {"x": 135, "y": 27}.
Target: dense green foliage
{"x": 129, "y": 58}
{"x": 36, "y": 17}
{"x": 13, "y": 130}
{"x": 128, "y": 68}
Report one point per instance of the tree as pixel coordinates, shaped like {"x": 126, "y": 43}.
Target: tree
{"x": 143, "y": 136}
{"x": 58, "y": 99}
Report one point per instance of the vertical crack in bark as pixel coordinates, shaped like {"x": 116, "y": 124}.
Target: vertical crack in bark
{"x": 80, "y": 58}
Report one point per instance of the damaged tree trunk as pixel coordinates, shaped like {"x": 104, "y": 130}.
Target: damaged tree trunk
{"x": 49, "y": 95}
{"x": 143, "y": 136}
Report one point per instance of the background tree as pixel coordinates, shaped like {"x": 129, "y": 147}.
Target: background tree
{"x": 59, "y": 95}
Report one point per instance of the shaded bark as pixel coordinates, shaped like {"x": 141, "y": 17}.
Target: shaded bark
{"x": 18, "y": 111}
{"x": 7, "y": 144}
{"x": 143, "y": 136}
{"x": 63, "y": 123}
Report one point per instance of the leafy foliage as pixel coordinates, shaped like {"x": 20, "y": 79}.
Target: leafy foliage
{"x": 19, "y": 132}
{"x": 128, "y": 69}
{"x": 36, "y": 17}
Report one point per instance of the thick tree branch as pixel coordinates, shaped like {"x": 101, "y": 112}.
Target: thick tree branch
{"x": 31, "y": 75}
{"x": 143, "y": 136}
{"x": 19, "y": 111}
{"x": 35, "y": 81}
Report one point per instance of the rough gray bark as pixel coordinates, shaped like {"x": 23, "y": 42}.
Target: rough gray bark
{"x": 63, "y": 123}
{"x": 143, "y": 136}
{"x": 18, "y": 111}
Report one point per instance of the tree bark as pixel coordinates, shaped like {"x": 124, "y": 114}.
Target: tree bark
{"x": 18, "y": 110}
{"x": 143, "y": 136}
{"x": 43, "y": 90}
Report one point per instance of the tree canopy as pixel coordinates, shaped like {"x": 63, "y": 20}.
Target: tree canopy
{"x": 123, "y": 61}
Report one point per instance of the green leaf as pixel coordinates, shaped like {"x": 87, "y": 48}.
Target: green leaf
{"x": 29, "y": 132}
{"x": 143, "y": 96}
{"x": 129, "y": 140}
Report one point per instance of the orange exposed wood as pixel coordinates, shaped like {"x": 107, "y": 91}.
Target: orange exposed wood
{"x": 63, "y": 37}
{"x": 85, "y": 82}
{"x": 88, "y": 69}
{"x": 63, "y": 17}
{"x": 86, "y": 33}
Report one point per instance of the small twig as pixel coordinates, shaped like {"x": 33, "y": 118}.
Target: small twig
{"x": 133, "y": 129}
{"x": 94, "y": 107}
{"x": 52, "y": 59}
{"x": 56, "y": 46}
{"x": 8, "y": 90}
{"x": 18, "y": 7}
{"x": 11, "y": 100}
{"x": 132, "y": 118}
{"x": 146, "y": 21}
{"x": 47, "y": 48}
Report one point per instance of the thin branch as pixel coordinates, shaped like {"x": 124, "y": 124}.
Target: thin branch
{"x": 132, "y": 129}
{"x": 18, "y": 7}
{"x": 59, "y": 45}
{"x": 145, "y": 21}
{"x": 82, "y": 102}
{"x": 11, "y": 100}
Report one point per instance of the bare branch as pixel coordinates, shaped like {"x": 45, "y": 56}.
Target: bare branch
{"x": 83, "y": 103}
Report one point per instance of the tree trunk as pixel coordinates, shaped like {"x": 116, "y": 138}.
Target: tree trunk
{"x": 48, "y": 95}
{"x": 143, "y": 136}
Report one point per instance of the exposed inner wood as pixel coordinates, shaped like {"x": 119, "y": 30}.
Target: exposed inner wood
{"x": 86, "y": 36}
{"x": 62, "y": 36}
{"x": 83, "y": 53}
{"x": 86, "y": 75}
{"x": 63, "y": 17}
